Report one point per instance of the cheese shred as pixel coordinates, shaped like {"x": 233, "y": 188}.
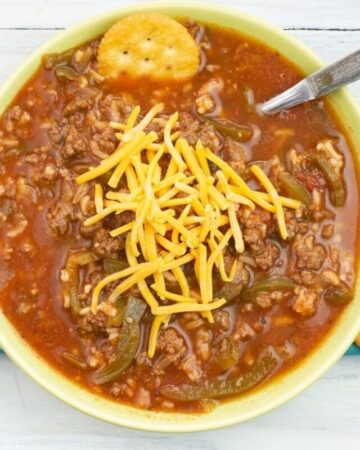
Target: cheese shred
{"x": 182, "y": 217}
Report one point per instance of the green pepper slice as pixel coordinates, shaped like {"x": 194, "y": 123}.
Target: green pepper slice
{"x": 114, "y": 265}
{"x": 339, "y": 295}
{"x": 120, "y": 307}
{"x": 54, "y": 59}
{"x": 271, "y": 284}
{"x": 64, "y": 73}
{"x": 334, "y": 181}
{"x": 228, "y": 357}
{"x": 128, "y": 342}
{"x": 226, "y": 127}
{"x": 294, "y": 188}
{"x": 216, "y": 389}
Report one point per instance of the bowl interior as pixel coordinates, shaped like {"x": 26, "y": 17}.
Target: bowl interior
{"x": 272, "y": 394}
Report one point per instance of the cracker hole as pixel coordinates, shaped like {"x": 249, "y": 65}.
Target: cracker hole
{"x": 125, "y": 52}
{"x": 146, "y": 59}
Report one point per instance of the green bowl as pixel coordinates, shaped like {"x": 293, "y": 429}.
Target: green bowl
{"x": 272, "y": 394}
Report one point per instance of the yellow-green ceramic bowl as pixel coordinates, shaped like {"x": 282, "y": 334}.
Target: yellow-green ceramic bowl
{"x": 271, "y": 395}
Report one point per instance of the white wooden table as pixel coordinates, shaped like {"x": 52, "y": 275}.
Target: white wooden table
{"x": 327, "y": 415}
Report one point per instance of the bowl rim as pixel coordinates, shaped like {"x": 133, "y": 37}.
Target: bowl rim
{"x": 69, "y": 392}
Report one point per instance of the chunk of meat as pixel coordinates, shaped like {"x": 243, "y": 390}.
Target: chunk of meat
{"x": 191, "y": 366}
{"x": 304, "y": 301}
{"x": 222, "y": 318}
{"x": 116, "y": 108}
{"x": 307, "y": 277}
{"x": 106, "y": 246}
{"x": 60, "y": 217}
{"x": 58, "y": 132}
{"x": 264, "y": 300}
{"x": 118, "y": 220}
{"x": 170, "y": 342}
{"x": 172, "y": 349}
{"x": 50, "y": 172}
{"x": 75, "y": 144}
{"x": 94, "y": 322}
{"x": 327, "y": 230}
{"x": 257, "y": 219}
{"x": 192, "y": 130}
{"x": 291, "y": 224}
{"x": 308, "y": 254}
{"x": 105, "y": 141}
{"x": 234, "y": 155}
{"x": 79, "y": 103}
{"x": 242, "y": 330}
{"x": 265, "y": 253}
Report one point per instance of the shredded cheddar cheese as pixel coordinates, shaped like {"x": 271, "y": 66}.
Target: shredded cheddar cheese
{"x": 185, "y": 215}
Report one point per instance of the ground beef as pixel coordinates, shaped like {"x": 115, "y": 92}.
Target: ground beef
{"x": 234, "y": 155}
{"x": 253, "y": 235}
{"x": 192, "y": 130}
{"x": 255, "y": 224}
{"x": 265, "y": 253}
{"x": 58, "y": 132}
{"x": 222, "y": 318}
{"x": 95, "y": 322}
{"x": 291, "y": 224}
{"x": 106, "y": 246}
{"x": 304, "y": 302}
{"x": 60, "y": 216}
{"x": 50, "y": 172}
{"x": 75, "y": 144}
{"x": 172, "y": 349}
{"x": 105, "y": 141}
{"x": 309, "y": 255}
{"x": 192, "y": 368}
{"x": 327, "y": 230}
{"x": 311, "y": 178}
{"x": 116, "y": 109}
{"x": 242, "y": 330}
{"x": 170, "y": 342}
{"x": 118, "y": 220}
{"x": 307, "y": 277}
{"x": 264, "y": 300}
{"x": 78, "y": 104}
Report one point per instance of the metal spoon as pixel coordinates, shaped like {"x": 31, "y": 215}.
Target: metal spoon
{"x": 316, "y": 85}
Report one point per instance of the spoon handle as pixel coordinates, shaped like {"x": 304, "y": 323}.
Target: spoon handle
{"x": 331, "y": 77}
{"x": 317, "y": 84}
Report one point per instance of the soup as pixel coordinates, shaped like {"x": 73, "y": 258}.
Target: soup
{"x": 164, "y": 244}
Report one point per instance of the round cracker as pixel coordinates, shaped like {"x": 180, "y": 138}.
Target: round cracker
{"x": 148, "y": 45}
